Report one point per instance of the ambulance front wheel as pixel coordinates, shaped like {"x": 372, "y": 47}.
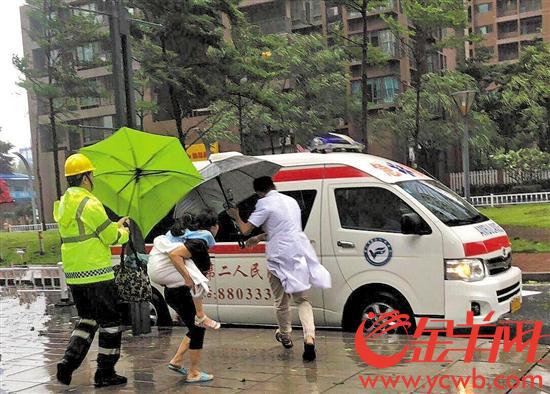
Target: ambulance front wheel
{"x": 368, "y": 306}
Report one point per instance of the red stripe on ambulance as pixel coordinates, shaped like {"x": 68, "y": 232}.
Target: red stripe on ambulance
{"x": 487, "y": 246}
{"x": 308, "y": 174}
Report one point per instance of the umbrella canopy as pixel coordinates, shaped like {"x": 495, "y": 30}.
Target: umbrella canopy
{"x": 227, "y": 180}
{"x": 141, "y": 175}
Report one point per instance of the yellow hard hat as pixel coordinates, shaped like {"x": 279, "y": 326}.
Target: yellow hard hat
{"x": 77, "y": 164}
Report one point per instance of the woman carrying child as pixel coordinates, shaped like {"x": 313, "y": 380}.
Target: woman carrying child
{"x": 180, "y": 260}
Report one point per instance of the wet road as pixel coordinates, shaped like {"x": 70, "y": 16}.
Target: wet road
{"x": 535, "y": 307}
{"x": 33, "y": 335}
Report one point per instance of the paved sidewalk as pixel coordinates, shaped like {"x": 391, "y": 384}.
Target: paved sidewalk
{"x": 243, "y": 360}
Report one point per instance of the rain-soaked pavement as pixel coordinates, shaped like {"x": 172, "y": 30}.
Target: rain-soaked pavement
{"x": 33, "y": 335}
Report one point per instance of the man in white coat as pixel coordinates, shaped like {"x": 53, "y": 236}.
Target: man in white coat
{"x": 293, "y": 267}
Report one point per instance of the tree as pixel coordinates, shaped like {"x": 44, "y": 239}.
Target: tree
{"x": 527, "y": 92}
{"x": 517, "y": 97}
{"x": 300, "y": 89}
{"x": 55, "y": 83}
{"x": 363, "y": 7}
{"x": 144, "y": 108}
{"x": 432, "y": 27}
{"x": 524, "y": 165}
{"x": 6, "y": 161}
{"x": 436, "y": 111}
{"x": 174, "y": 55}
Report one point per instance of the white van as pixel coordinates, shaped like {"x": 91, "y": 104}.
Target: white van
{"x": 391, "y": 237}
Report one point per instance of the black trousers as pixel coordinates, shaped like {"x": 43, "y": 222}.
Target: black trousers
{"x": 180, "y": 299}
{"x": 96, "y": 304}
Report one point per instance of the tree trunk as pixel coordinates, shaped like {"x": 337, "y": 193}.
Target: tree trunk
{"x": 36, "y": 156}
{"x": 55, "y": 149}
{"x": 176, "y": 112}
{"x": 176, "y": 108}
{"x": 364, "y": 85}
{"x": 416, "y": 124}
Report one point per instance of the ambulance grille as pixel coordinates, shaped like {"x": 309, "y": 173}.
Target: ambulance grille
{"x": 499, "y": 265}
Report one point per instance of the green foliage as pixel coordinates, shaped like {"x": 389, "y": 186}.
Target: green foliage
{"x": 6, "y": 161}
{"x": 517, "y": 97}
{"x": 524, "y": 165}
{"x": 299, "y": 89}
{"x": 29, "y": 241}
{"x": 59, "y": 32}
{"x": 442, "y": 127}
{"x": 174, "y": 55}
{"x": 527, "y": 93}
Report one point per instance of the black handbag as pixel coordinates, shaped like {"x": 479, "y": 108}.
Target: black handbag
{"x": 131, "y": 277}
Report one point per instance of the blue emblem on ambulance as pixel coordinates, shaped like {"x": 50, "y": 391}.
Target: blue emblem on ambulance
{"x": 378, "y": 252}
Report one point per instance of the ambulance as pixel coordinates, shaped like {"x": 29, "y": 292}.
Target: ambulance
{"x": 391, "y": 237}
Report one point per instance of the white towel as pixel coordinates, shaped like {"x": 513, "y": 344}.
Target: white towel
{"x": 201, "y": 288}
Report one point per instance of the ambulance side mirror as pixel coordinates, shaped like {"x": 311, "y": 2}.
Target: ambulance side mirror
{"x": 412, "y": 223}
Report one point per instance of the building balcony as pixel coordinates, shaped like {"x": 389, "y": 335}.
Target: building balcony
{"x": 526, "y": 6}
{"x": 249, "y": 3}
{"x": 503, "y": 12}
{"x": 507, "y": 34}
{"x": 274, "y": 25}
{"x": 392, "y": 6}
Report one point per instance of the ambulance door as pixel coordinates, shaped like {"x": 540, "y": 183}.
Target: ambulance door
{"x": 244, "y": 293}
{"x": 365, "y": 222}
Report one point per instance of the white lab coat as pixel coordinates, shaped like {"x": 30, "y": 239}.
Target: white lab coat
{"x": 290, "y": 256}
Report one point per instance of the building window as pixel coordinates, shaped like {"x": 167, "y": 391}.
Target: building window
{"x": 356, "y": 86}
{"x": 305, "y": 13}
{"x": 483, "y": 8}
{"x": 507, "y": 29}
{"x": 383, "y": 90}
{"x": 529, "y": 5}
{"x": 507, "y": 7}
{"x": 270, "y": 18}
{"x": 485, "y": 29}
{"x": 508, "y": 51}
{"x": 92, "y": 54}
{"x": 531, "y": 25}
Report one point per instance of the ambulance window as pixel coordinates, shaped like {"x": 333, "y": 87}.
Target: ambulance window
{"x": 305, "y": 199}
{"x": 370, "y": 208}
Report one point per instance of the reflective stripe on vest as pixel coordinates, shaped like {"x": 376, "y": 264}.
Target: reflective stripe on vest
{"x": 88, "y": 274}
{"x": 85, "y": 237}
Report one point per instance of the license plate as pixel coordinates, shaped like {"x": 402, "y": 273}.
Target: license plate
{"x": 515, "y": 305}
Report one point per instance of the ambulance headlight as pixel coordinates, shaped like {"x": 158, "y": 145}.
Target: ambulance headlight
{"x": 468, "y": 270}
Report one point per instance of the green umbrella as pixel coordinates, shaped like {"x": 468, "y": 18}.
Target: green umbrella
{"x": 141, "y": 175}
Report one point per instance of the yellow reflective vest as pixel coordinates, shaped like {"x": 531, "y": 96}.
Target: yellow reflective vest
{"x": 86, "y": 234}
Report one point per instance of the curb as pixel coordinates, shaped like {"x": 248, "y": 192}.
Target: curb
{"x": 535, "y": 276}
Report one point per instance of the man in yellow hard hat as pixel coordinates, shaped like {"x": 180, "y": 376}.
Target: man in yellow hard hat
{"x": 86, "y": 234}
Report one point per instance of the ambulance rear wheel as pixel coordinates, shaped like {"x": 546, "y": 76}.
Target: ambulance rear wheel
{"x": 368, "y": 304}
{"x": 158, "y": 311}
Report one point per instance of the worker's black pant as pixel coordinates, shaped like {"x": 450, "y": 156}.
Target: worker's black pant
{"x": 180, "y": 299}
{"x": 96, "y": 304}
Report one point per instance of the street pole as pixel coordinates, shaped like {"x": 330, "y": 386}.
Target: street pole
{"x": 31, "y": 184}
{"x": 119, "y": 27}
{"x": 466, "y": 159}
{"x": 464, "y": 101}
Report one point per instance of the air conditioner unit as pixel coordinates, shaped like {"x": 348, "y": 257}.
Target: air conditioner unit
{"x": 200, "y": 112}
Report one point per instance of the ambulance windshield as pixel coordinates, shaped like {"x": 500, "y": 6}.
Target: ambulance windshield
{"x": 449, "y": 207}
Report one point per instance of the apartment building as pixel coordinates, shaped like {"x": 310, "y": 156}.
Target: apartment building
{"x": 508, "y": 26}
{"x": 272, "y": 16}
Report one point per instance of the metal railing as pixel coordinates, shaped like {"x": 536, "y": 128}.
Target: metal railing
{"x": 510, "y": 199}
{"x": 34, "y": 277}
{"x": 32, "y": 227}
{"x": 493, "y": 177}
